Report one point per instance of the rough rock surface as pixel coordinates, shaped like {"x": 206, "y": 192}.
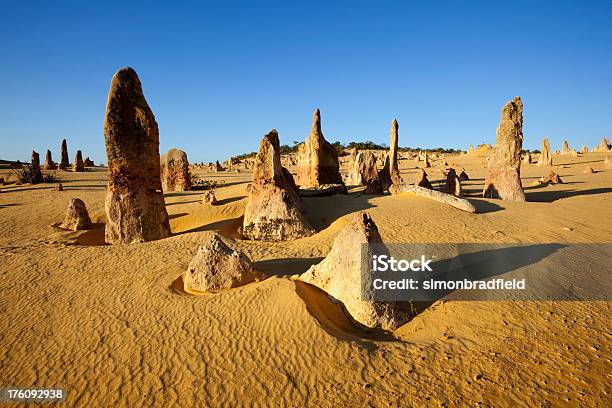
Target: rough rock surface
{"x": 340, "y": 275}
{"x": 49, "y": 164}
{"x": 217, "y": 266}
{"x": 452, "y": 185}
{"x": 603, "y": 146}
{"x": 421, "y": 180}
{"x": 565, "y": 148}
{"x": 504, "y": 171}
{"x": 390, "y": 175}
{"x": 174, "y": 168}
{"x": 88, "y": 162}
{"x": 363, "y": 169}
{"x": 78, "y": 165}
{"x": 545, "y": 157}
{"x": 552, "y": 178}
{"x": 209, "y": 198}
{"x": 77, "y": 217}
{"x": 273, "y": 210}
{"x": 527, "y": 158}
{"x": 135, "y": 207}
{"x": 318, "y": 159}
{"x": 37, "y": 176}
{"x": 64, "y": 162}
{"x": 463, "y": 176}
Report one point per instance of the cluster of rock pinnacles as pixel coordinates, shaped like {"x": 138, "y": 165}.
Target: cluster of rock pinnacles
{"x": 274, "y": 211}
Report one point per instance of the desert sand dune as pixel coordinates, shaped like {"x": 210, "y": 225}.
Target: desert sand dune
{"x": 111, "y": 324}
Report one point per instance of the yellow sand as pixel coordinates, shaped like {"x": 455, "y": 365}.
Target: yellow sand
{"x": 112, "y": 325}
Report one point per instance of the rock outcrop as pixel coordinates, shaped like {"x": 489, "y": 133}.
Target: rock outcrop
{"x": 88, "y": 162}
{"x": 64, "y": 162}
{"x": 552, "y": 178}
{"x": 565, "y": 148}
{"x": 273, "y": 210}
{"x": 463, "y": 176}
{"x": 390, "y": 175}
{"x": 603, "y": 146}
{"x": 174, "y": 168}
{"x": 77, "y": 217}
{"x": 363, "y": 171}
{"x": 504, "y": 171}
{"x": 35, "y": 173}
{"x": 217, "y": 266}
{"x": 340, "y": 275}
{"x": 209, "y": 198}
{"x": 318, "y": 160}
{"x": 584, "y": 149}
{"x": 545, "y": 157}
{"x": 452, "y": 185}
{"x": 49, "y": 164}
{"x": 135, "y": 207}
{"x": 421, "y": 180}
{"x": 527, "y": 158}
{"x": 78, "y": 165}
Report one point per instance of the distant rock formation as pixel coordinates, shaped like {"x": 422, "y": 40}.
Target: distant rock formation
{"x": 463, "y": 176}
{"x": 452, "y": 184}
{"x": 421, "y": 180}
{"x": 49, "y": 165}
{"x": 135, "y": 207}
{"x": 174, "y": 168}
{"x": 340, "y": 275}
{"x": 470, "y": 149}
{"x": 36, "y": 174}
{"x": 504, "y": 173}
{"x": 545, "y": 157}
{"x": 88, "y": 162}
{"x": 527, "y": 158}
{"x": 565, "y": 148}
{"x": 603, "y": 146}
{"x": 217, "y": 266}
{"x": 209, "y": 198}
{"x": 317, "y": 159}
{"x": 218, "y": 167}
{"x": 78, "y": 165}
{"x": 584, "y": 149}
{"x": 64, "y": 162}
{"x": 390, "y": 177}
{"x": 77, "y": 217}
{"x": 273, "y": 210}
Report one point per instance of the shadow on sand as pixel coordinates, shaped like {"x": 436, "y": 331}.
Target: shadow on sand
{"x": 550, "y": 196}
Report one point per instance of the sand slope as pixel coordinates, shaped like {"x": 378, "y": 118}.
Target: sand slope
{"x": 112, "y": 325}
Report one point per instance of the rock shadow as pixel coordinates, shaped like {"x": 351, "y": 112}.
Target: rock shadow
{"x": 321, "y": 212}
{"x": 286, "y": 266}
{"x": 550, "y": 196}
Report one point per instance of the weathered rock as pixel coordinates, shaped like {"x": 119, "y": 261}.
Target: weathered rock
{"x": 545, "y": 157}
{"x": 584, "y": 149}
{"x": 452, "y": 184}
{"x": 340, "y": 275}
{"x": 134, "y": 204}
{"x": 36, "y": 174}
{"x": 174, "y": 168}
{"x": 216, "y": 266}
{"x": 504, "y": 171}
{"x": 604, "y": 146}
{"x": 64, "y": 162}
{"x": 318, "y": 159}
{"x": 470, "y": 149}
{"x": 218, "y": 167}
{"x": 59, "y": 187}
{"x": 209, "y": 198}
{"x": 459, "y": 203}
{"x": 49, "y": 164}
{"x": 463, "y": 176}
{"x": 527, "y": 158}
{"x": 77, "y": 217}
{"x": 421, "y": 180}
{"x": 88, "y": 162}
{"x": 588, "y": 170}
{"x": 390, "y": 174}
{"x": 552, "y": 178}
{"x": 426, "y": 163}
{"x": 78, "y": 165}
{"x": 565, "y": 148}
{"x": 353, "y": 154}
{"x": 363, "y": 169}
{"x": 273, "y": 209}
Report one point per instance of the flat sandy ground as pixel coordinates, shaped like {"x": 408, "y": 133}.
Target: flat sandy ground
{"x": 112, "y": 325}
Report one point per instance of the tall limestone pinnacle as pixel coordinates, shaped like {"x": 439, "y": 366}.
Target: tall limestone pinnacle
{"x": 504, "y": 173}
{"x": 134, "y": 203}
{"x": 64, "y": 161}
{"x": 318, "y": 160}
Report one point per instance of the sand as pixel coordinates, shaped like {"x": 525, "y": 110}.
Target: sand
{"x": 112, "y": 325}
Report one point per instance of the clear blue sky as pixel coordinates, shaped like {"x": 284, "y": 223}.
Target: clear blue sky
{"x": 219, "y": 75}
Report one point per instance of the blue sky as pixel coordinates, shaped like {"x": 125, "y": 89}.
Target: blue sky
{"x": 219, "y": 75}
